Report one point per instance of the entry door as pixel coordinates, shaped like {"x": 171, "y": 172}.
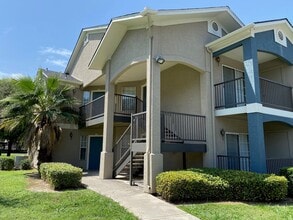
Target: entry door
{"x": 229, "y": 89}
{"x": 96, "y": 144}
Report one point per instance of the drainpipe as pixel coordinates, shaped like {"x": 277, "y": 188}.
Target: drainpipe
{"x": 213, "y": 107}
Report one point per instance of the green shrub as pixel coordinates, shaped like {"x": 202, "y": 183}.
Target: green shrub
{"x": 61, "y": 175}
{"x": 187, "y": 186}
{"x": 288, "y": 173}
{"x": 6, "y": 163}
{"x": 217, "y": 184}
{"x": 25, "y": 164}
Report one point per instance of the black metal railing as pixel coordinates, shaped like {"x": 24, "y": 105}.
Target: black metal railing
{"x": 93, "y": 109}
{"x": 182, "y": 127}
{"x": 124, "y": 105}
{"x": 138, "y": 125}
{"x": 276, "y": 95}
{"x": 274, "y": 165}
{"x": 233, "y": 162}
{"x": 122, "y": 148}
{"x": 230, "y": 93}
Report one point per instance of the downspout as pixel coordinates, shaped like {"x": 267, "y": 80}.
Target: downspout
{"x": 213, "y": 107}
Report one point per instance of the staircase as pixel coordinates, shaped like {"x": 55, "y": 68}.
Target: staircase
{"x": 122, "y": 157}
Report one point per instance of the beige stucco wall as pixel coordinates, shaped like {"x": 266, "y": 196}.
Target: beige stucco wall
{"x": 68, "y": 150}
{"x": 184, "y": 42}
{"x": 278, "y": 140}
{"x": 79, "y": 68}
{"x": 232, "y": 124}
{"x": 180, "y": 90}
{"x": 137, "y": 84}
{"x": 133, "y": 47}
{"x": 278, "y": 71}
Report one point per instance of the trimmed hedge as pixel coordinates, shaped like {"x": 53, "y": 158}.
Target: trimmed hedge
{"x": 6, "y": 163}
{"x": 61, "y": 175}
{"x": 288, "y": 173}
{"x": 216, "y": 184}
{"x": 25, "y": 164}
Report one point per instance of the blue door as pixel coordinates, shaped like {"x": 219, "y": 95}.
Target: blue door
{"x": 96, "y": 144}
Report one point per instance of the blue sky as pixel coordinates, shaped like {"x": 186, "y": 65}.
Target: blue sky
{"x": 43, "y": 33}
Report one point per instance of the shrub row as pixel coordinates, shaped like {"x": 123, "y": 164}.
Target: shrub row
{"x": 6, "y": 163}
{"x": 61, "y": 175}
{"x": 216, "y": 184}
{"x": 288, "y": 173}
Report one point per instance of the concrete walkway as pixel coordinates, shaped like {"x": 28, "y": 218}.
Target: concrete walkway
{"x": 142, "y": 205}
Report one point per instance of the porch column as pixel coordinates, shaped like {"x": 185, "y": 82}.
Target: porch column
{"x": 250, "y": 61}
{"x": 153, "y": 158}
{"x": 255, "y": 121}
{"x": 106, "y": 162}
{"x": 257, "y": 151}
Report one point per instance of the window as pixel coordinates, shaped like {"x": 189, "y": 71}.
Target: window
{"x": 83, "y": 147}
{"x": 237, "y": 151}
{"x": 86, "y": 98}
{"x": 234, "y": 93}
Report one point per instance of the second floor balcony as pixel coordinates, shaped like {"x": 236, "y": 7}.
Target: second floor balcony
{"x": 231, "y": 94}
{"x": 125, "y": 105}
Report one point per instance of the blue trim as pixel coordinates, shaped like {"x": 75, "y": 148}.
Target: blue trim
{"x": 271, "y": 118}
{"x": 252, "y": 89}
{"x": 265, "y": 42}
{"x": 257, "y": 150}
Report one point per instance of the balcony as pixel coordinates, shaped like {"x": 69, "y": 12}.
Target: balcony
{"x": 124, "y": 106}
{"x": 243, "y": 163}
{"x": 179, "y": 132}
{"x": 231, "y": 94}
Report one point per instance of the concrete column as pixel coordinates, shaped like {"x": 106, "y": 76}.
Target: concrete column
{"x": 106, "y": 162}
{"x": 250, "y": 60}
{"x": 153, "y": 157}
{"x": 257, "y": 151}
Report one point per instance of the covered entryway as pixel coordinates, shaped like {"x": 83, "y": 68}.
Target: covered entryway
{"x": 95, "y": 148}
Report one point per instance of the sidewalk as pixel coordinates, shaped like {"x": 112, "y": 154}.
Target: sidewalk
{"x": 143, "y": 205}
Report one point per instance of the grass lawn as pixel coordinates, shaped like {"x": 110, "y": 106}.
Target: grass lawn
{"x": 240, "y": 211}
{"x": 16, "y": 202}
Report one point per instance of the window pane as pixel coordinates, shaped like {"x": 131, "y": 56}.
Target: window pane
{"x": 129, "y": 91}
{"x": 86, "y": 97}
{"x": 82, "y": 153}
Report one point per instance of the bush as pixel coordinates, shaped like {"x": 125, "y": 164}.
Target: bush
{"x": 187, "y": 186}
{"x": 288, "y": 173}
{"x": 6, "y": 163}
{"x": 217, "y": 184}
{"x": 25, "y": 164}
{"x": 61, "y": 175}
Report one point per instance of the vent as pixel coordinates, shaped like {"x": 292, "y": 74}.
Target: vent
{"x": 214, "y": 28}
{"x": 280, "y": 37}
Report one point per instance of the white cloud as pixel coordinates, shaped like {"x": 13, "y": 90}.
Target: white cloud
{"x": 61, "y": 51}
{"x": 57, "y": 62}
{"x": 11, "y": 75}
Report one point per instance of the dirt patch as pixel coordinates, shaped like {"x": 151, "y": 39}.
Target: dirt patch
{"x": 36, "y": 184}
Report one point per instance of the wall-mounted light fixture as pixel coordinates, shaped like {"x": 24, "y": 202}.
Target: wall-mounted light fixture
{"x": 159, "y": 59}
{"x": 218, "y": 59}
{"x": 222, "y": 132}
{"x": 70, "y": 135}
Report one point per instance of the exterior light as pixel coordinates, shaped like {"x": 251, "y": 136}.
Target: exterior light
{"x": 160, "y": 60}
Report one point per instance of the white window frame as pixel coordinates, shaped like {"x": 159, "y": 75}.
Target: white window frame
{"x": 83, "y": 144}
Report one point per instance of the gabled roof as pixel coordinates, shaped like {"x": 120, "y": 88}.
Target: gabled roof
{"x": 250, "y": 30}
{"x": 63, "y": 77}
{"x": 80, "y": 41}
{"x": 120, "y": 25}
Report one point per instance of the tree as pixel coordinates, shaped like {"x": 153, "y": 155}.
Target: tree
{"x": 36, "y": 107}
{"x": 7, "y": 88}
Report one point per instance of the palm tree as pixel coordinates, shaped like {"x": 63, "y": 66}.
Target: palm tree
{"x": 36, "y": 108}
